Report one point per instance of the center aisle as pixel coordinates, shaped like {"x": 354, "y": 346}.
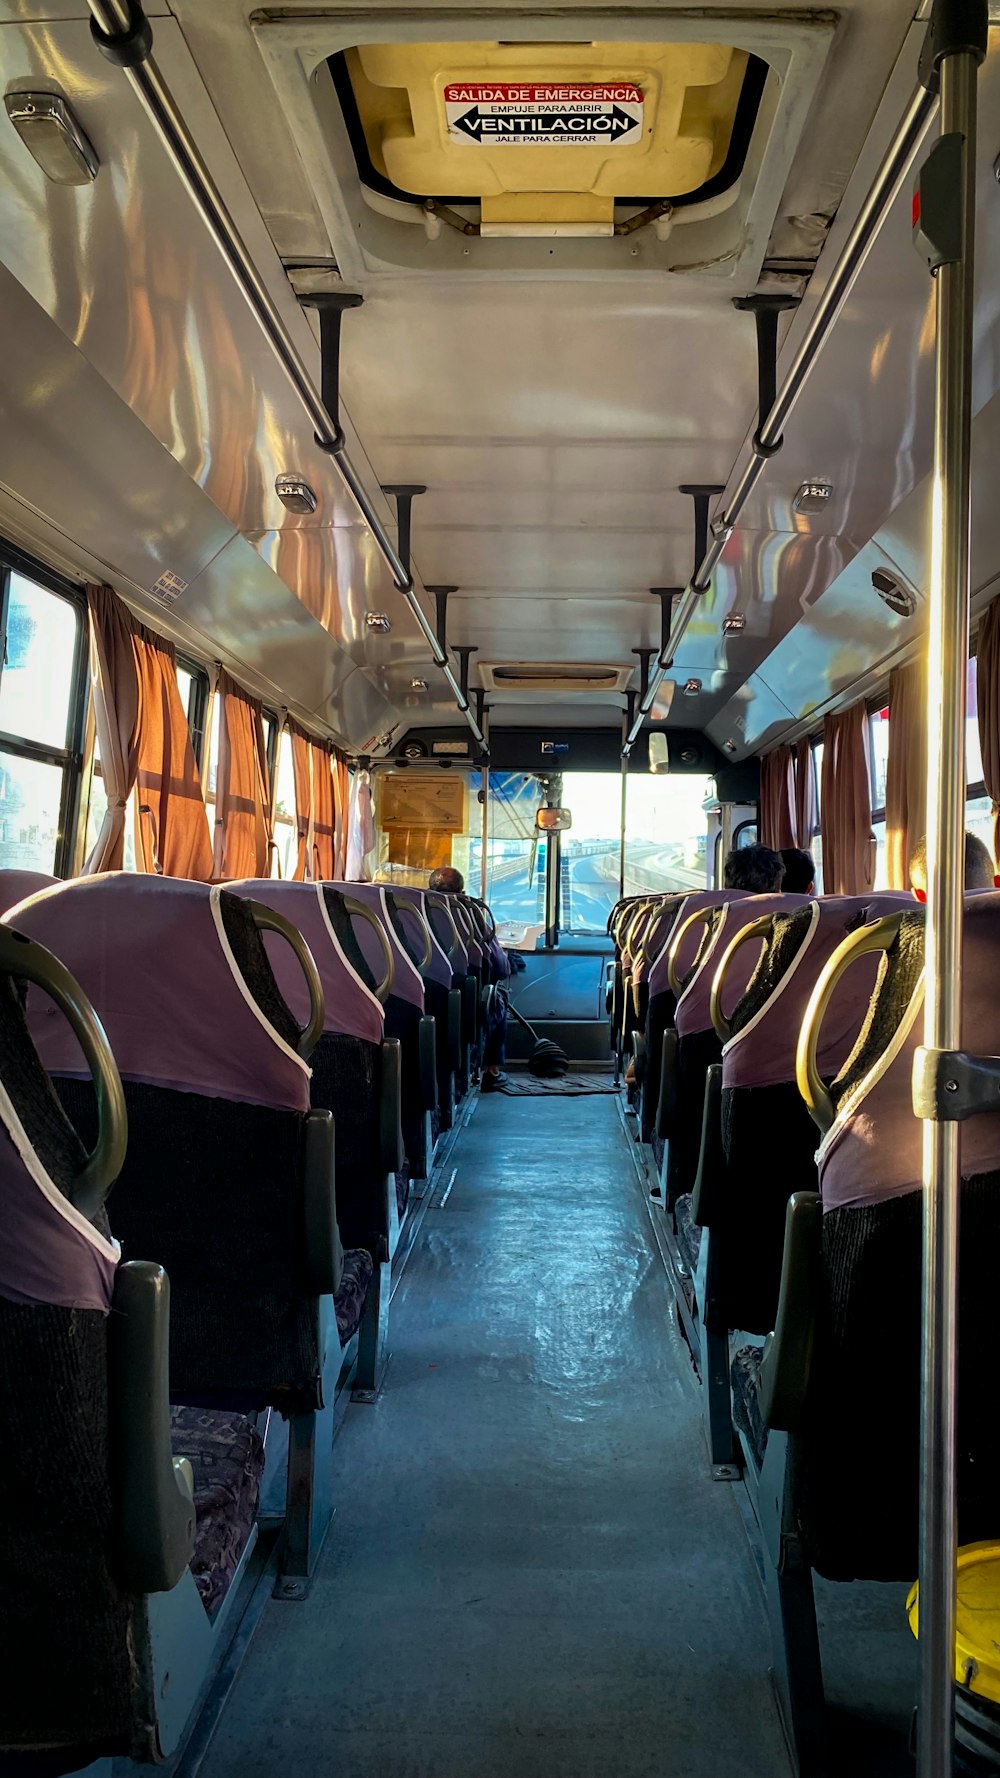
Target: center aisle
{"x": 530, "y": 1574}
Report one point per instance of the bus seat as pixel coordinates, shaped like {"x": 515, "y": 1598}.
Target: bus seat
{"x": 441, "y": 999}
{"x": 658, "y": 1010}
{"x": 356, "y": 1077}
{"x": 229, "y": 1176}
{"x": 759, "y": 1096}
{"x": 820, "y": 1424}
{"x": 680, "y": 951}
{"x": 15, "y": 885}
{"x": 404, "y": 1016}
{"x": 110, "y": 1510}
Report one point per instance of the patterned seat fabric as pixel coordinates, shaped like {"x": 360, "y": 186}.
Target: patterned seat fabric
{"x": 688, "y": 1234}
{"x": 226, "y": 1454}
{"x": 746, "y": 1399}
{"x": 352, "y": 1293}
{"x": 403, "y": 1189}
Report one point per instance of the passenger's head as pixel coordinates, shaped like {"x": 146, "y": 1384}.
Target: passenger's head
{"x": 754, "y": 868}
{"x": 800, "y": 871}
{"x": 980, "y": 870}
{"x": 446, "y": 881}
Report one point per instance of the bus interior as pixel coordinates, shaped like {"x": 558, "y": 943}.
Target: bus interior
{"x": 499, "y": 912}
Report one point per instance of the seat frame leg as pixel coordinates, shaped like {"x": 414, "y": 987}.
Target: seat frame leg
{"x": 373, "y": 1355}
{"x": 791, "y": 1607}
{"x": 723, "y": 1445}
{"x": 309, "y": 1500}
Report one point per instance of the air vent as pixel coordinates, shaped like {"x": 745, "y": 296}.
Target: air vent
{"x": 900, "y": 599}
{"x": 554, "y": 676}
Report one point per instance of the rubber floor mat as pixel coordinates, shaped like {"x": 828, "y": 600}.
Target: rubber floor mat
{"x": 525, "y": 1086}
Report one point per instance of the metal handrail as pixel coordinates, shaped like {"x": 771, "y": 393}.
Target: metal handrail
{"x": 855, "y": 251}
{"x": 119, "y": 19}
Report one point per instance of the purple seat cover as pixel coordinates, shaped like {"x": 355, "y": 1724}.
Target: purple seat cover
{"x": 763, "y": 1053}
{"x": 693, "y": 1006}
{"x": 407, "y": 982}
{"x": 658, "y": 930}
{"x": 351, "y": 1008}
{"x": 17, "y": 885}
{"x": 874, "y": 1149}
{"x": 440, "y": 968}
{"x": 659, "y": 974}
{"x": 49, "y": 1253}
{"x": 151, "y": 955}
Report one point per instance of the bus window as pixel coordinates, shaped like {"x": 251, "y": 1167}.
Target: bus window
{"x": 665, "y": 832}
{"x": 285, "y": 840}
{"x": 38, "y": 710}
{"x": 515, "y": 861}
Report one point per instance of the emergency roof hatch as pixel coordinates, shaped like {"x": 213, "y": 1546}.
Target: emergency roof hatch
{"x": 550, "y": 138}
{"x": 663, "y": 146}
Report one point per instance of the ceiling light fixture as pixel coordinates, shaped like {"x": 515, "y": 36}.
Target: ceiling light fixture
{"x": 418, "y": 685}
{"x": 295, "y": 493}
{"x": 901, "y": 600}
{"x": 53, "y": 138}
{"x": 692, "y": 687}
{"x": 812, "y": 497}
{"x": 734, "y": 623}
{"x": 377, "y": 620}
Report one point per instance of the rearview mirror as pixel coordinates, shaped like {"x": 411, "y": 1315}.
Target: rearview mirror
{"x": 549, "y": 820}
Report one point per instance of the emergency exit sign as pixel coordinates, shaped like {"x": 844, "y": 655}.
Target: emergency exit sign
{"x": 511, "y": 114}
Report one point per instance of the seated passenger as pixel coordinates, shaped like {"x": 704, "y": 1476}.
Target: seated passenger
{"x": 448, "y": 881}
{"x": 800, "y": 871}
{"x": 755, "y": 869}
{"x": 980, "y": 870}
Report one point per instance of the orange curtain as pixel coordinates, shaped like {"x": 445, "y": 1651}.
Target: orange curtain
{"x": 243, "y": 833}
{"x": 846, "y": 805}
{"x": 777, "y": 799}
{"x": 302, "y": 768}
{"x": 906, "y": 770}
{"x": 988, "y": 701}
{"x": 324, "y": 833}
{"x": 342, "y": 807}
{"x": 145, "y": 744}
{"x": 171, "y": 828}
{"x": 115, "y": 689}
{"x": 319, "y": 779}
{"x": 805, "y": 795}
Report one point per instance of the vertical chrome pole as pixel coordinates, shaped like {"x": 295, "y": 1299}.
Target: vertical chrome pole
{"x": 621, "y": 830}
{"x": 725, "y": 845}
{"x": 947, "y": 655}
{"x": 486, "y": 830}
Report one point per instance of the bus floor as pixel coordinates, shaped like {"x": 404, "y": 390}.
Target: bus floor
{"x": 531, "y": 1573}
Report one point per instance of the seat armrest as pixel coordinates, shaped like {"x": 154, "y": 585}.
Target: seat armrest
{"x": 706, "y": 1197}
{"x": 154, "y": 1517}
{"x": 390, "y": 1106}
{"x": 788, "y": 1351}
{"x": 324, "y": 1254}
{"x": 666, "y": 1110}
{"x": 427, "y": 1051}
{"x": 470, "y": 1009}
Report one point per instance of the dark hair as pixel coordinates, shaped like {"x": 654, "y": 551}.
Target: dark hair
{"x": 800, "y": 871}
{"x": 979, "y": 867}
{"x": 447, "y": 880}
{"x": 755, "y": 868}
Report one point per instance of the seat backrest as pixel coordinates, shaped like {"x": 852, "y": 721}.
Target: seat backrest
{"x": 15, "y": 885}
{"x": 407, "y": 982}
{"x": 869, "y": 1329}
{"x": 766, "y": 1018}
{"x": 449, "y": 940}
{"x": 217, "y": 1094}
{"x": 434, "y": 968}
{"x": 685, "y": 954}
{"x": 693, "y": 1005}
{"x": 352, "y": 1009}
{"x": 72, "y": 1641}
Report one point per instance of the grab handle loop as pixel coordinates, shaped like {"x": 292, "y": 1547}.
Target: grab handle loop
{"x": 763, "y": 927}
{"x": 358, "y": 911}
{"x": 267, "y": 920}
{"x": 407, "y": 908}
{"x": 454, "y": 946}
{"x": 879, "y": 936}
{"x": 25, "y": 958}
{"x": 700, "y": 917}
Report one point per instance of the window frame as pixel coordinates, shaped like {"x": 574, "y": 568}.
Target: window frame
{"x": 69, "y": 758}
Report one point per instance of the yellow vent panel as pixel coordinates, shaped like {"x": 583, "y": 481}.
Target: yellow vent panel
{"x": 547, "y": 136}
